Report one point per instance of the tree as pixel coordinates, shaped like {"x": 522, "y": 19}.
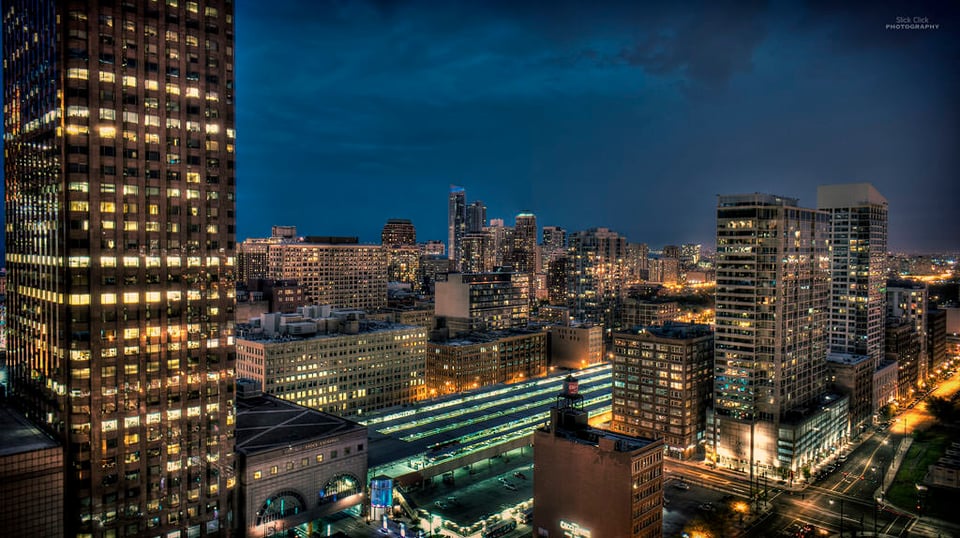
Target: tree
{"x": 942, "y": 409}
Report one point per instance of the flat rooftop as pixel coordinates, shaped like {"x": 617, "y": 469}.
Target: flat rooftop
{"x": 366, "y": 327}
{"x": 469, "y": 339}
{"x": 592, "y": 436}
{"x": 265, "y": 423}
{"x": 404, "y": 440}
{"x": 17, "y": 434}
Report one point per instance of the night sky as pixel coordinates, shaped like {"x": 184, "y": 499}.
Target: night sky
{"x": 626, "y": 116}
{"x": 622, "y": 115}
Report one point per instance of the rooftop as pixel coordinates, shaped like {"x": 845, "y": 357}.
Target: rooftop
{"x": 469, "y": 339}
{"x": 367, "y": 326}
{"x": 18, "y": 435}
{"x": 846, "y": 358}
{"x": 266, "y": 423}
{"x": 673, "y": 329}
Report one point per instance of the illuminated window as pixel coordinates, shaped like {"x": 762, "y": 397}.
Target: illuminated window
{"x": 131, "y": 261}
{"x": 79, "y": 205}
{"x": 108, "y": 114}
{"x": 130, "y": 81}
{"x": 130, "y": 226}
{"x": 78, "y": 73}
{"x": 108, "y": 207}
{"x": 193, "y": 92}
{"x": 131, "y": 297}
{"x": 108, "y": 261}
{"x": 173, "y": 89}
{"x": 151, "y": 120}
{"x": 151, "y": 85}
{"x": 213, "y": 128}
{"x": 106, "y": 76}
{"x": 78, "y": 112}
{"x": 257, "y": 475}
{"x": 152, "y": 138}
{"x": 107, "y": 131}
{"x": 77, "y": 299}
{"x": 130, "y": 117}
{"x": 109, "y": 425}
{"x": 108, "y": 298}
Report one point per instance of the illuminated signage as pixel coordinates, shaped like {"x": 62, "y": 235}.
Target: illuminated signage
{"x": 574, "y": 530}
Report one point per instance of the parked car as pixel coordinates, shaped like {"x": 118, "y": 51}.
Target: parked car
{"x": 520, "y": 475}
{"x": 681, "y": 485}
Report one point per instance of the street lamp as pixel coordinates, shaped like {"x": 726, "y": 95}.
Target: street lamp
{"x": 742, "y": 508}
{"x": 841, "y": 516}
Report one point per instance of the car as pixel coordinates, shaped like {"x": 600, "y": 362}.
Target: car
{"x": 681, "y": 485}
{"x": 707, "y": 507}
{"x": 383, "y": 531}
{"x": 520, "y": 475}
{"x": 440, "y": 504}
{"x": 842, "y": 458}
{"x": 502, "y": 480}
{"x": 510, "y": 486}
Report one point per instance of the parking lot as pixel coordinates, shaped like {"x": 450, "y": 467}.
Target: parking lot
{"x": 482, "y": 492}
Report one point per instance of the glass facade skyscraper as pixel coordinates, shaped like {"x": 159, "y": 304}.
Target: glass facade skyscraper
{"x": 119, "y": 172}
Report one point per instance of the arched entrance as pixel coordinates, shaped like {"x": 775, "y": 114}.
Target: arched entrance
{"x": 280, "y": 505}
{"x": 338, "y": 487}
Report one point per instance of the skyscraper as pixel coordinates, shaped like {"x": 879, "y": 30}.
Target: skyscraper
{"x": 858, "y": 241}
{"x": 525, "y": 243}
{"x": 773, "y": 271}
{"x": 476, "y": 217}
{"x": 119, "y": 138}
{"x": 456, "y": 224}
{"x": 398, "y": 233}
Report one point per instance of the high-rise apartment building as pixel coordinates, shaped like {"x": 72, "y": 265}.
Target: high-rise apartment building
{"x": 524, "y": 252}
{"x": 773, "y": 275}
{"x": 858, "y": 250}
{"x": 596, "y": 274}
{"x": 501, "y": 242}
{"x": 907, "y": 302}
{"x": 120, "y": 195}
{"x": 468, "y": 302}
{"x": 478, "y": 253}
{"x": 554, "y": 241}
{"x": 398, "y": 233}
{"x": 456, "y": 223}
{"x": 662, "y": 385}
{"x": 333, "y": 270}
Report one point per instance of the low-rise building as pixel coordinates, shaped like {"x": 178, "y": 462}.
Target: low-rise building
{"x": 618, "y": 478}
{"x": 31, "y": 478}
{"x": 885, "y": 384}
{"x": 296, "y": 465}
{"x": 644, "y": 313}
{"x": 475, "y": 360}
{"x": 334, "y": 361}
{"x": 853, "y": 375}
{"x": 574, "y": 346}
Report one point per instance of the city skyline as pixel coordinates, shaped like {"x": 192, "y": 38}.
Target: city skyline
{"x": 622, "y": 116}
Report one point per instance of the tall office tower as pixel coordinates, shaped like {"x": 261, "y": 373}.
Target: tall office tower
{"x": 637, "y": 262}
{"x": 524, "y": 251}
{"x": 596, "y": 274}
{"x": 456, "y": 223}
{"x": 501, "y": 238}
{"x": 398, "y": 233}
{"x": 907, "y": 302}
{"x": 554, "y": 241}
{"x": 476, "y": 217}
{"x": 119, "y": 172}
{"x": 858, "y": 241}
{"x": 556, "y": 272}
{"x": 662, "y": 384}
{"x": 773, "y": 274}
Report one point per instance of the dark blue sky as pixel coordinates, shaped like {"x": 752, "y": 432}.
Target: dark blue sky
{"x": 622, "y": 115}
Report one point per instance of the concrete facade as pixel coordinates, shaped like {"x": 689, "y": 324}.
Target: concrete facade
{"x": 574, "y": 346}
